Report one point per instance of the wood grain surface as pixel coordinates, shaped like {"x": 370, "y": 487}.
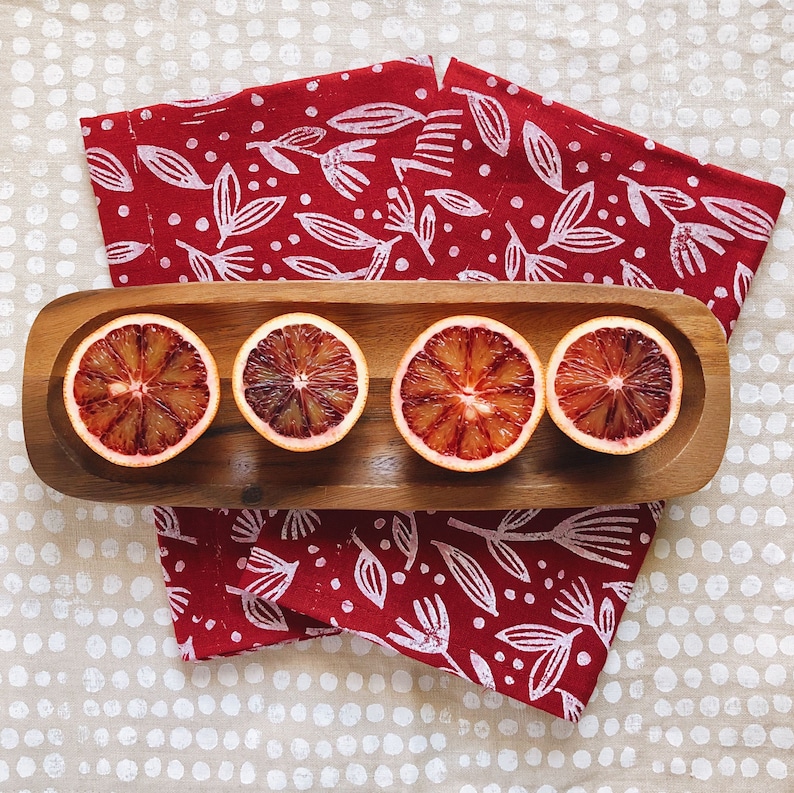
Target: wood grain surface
{"x": 232, "y": 466}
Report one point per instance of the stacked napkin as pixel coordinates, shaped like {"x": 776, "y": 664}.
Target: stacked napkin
{"x": 478, "y": 181}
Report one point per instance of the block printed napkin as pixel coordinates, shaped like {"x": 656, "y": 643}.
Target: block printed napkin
{"x": 497, "y": 184}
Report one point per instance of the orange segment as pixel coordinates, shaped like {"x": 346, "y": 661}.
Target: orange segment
{"x": 300, "y": 381}
{"x": 614, "y": 384}
{"x": 468, "y": 393}
{"x": 141, "y": 389}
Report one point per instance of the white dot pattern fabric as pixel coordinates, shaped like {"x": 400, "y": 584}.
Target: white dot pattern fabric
{"x": 697, "y": 690}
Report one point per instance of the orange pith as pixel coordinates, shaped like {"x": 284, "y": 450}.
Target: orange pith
{"x": 141, "y": 389}
{"x": 300, "y": 381}
{"x": 614, "y": 384}
{"x": 468, "y": 393}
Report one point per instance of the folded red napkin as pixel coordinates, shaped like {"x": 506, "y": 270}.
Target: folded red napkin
{"x": 224, "y": 188}
{"x": 499, "y": 185}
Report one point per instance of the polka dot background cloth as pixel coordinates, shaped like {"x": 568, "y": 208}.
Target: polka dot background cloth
{"x": 698, "y": 687}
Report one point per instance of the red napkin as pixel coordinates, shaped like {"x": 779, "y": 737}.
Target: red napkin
{"x": 224, "y": 188}
{"x": 499, "y": 185}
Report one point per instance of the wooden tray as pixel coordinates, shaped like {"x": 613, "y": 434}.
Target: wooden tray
{"x": 232, "y": 466}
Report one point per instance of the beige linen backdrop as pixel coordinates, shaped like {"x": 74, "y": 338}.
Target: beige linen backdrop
{"x": 697, "y": 692}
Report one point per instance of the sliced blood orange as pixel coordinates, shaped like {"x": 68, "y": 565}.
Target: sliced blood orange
{"x": 141, "y": 389}
{"x": 468, "y": 393}
{"x": 614, "y": 384}
{"x": 301, "y": 381}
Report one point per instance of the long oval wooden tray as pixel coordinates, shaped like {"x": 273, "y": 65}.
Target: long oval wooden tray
{"x": 232, "y": 466}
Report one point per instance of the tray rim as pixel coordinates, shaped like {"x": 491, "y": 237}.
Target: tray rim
{"x": 105, "y": 303}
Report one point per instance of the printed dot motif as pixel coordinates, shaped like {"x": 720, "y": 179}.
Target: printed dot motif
{"x": 698, "y": 685}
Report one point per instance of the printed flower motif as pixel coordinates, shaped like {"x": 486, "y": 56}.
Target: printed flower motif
{"x": 432, "y": 636}
{"x": 342, "y": 176}
{"x": 299, "y": 523}
{"x": 576, "y": 605}
{"x": 685, "y": 240}
{"x": 274, "y": 574}
{"x": 537, "y": 267}
{"x": 227, "y": 264}
{"x": 402, "y": 218}
{"x": 554, "y": 647}
{"x": 123, "y": 252}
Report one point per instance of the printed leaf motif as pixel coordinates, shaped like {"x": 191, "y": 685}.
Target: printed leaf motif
{"x": 320, "y": 269}
{"x": 457, "y": 202}
{"x": 228, "y": 264}
{"x": 235, "y": 219}
{"x": 742, "y": 278}
{"x": 342, "y": 176}
{"x": 299, "y": 523}
{"x": 171, "y": 167}
{"x": 572, "y": 708}
{"x": 108, "y": 171}
{"x": 621, "y": 588}
{"x": 402, "y": 218}
{"x": 334, "y": 232}
{"x": 301, "y": 137}
{"x": 380, "y": 260}
{"x": 482, "y": 670}
{"x": 637, "y": 201}
{"x": 471, "y": 577}
{"x": 274, "y": 574}
{"x": 516, "y": 518}
{"x": 670, "y": 198}
{"x": 547, "y": 671}
{"x": 178, "y": 598}
{"x": 543, "y": 155}
{"x": 259, "y": 612}
{"x": 256, "y": 214}
{"x": 248, "y": 525}
{"x": 168, "y": 525}
{"x": 572, "y": 211}
{"x": 263, "y": 613}
{"x": 554, "y": 646}
{"x": 595, "y": 535}
{"x": 606, "y": 621}
{"x": 123, "y": 252}
{"x": 490, "y": 119}
{"x": 537, "y": 267}
{"x": 406, "y": 537}
{"x": 275, "y": 158}
{"x": 225, "y": 199}
{"x": 588, "y": 239}
{"x": 635, "y": 276}
{"x": 685, "y": 240}
{"x": 476, "y": 276}
{"x": 741, "y": 216}
{"x": 370, "y": 574}
{"x": 427, "y": 226}
{"x": 508, "y": 559}
{"x": 375, "y": 118}
{"x": 432, "y": 635}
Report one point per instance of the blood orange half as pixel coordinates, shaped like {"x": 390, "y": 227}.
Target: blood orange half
{"x": 468, "y": 393}
{"x": 614, "y": 384}
{"x": 141, "y": 389}
{"x": 301, "y": 381}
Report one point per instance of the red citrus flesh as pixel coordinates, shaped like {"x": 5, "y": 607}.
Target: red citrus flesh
{"x": 468, "y": 393}
{"x": 614, "y": 384}
{"x": 301, "y": 381}
{"x": 141, "y": 389}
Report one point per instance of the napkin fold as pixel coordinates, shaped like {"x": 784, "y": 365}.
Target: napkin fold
{"x": 479, "y": 181}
